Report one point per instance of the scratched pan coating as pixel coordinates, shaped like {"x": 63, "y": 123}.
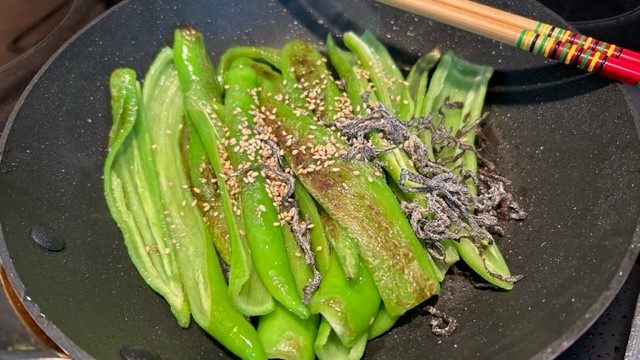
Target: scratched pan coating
{"x": 568, "y": 141}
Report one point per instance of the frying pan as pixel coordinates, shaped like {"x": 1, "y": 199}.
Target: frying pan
{"x": 568, "y": 141}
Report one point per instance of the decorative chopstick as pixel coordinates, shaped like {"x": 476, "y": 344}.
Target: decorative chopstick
{"x": 571, "y": 54}
{"x": 546, "y": 29}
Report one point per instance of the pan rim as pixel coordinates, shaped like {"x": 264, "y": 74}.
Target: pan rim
{"x": 51, "y": 330}
{"x": 71, "y": 348}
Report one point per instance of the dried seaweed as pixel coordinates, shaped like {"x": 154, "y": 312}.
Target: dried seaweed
{"x": 452, "y": 211}
{"x": 441, "y": 323}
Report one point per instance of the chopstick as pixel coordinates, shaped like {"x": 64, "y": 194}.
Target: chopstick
{"x": 541, "y": 28}
{"x": 515, "y": 35}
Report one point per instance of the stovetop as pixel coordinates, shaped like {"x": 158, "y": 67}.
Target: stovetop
{"x": 31, "y": 31}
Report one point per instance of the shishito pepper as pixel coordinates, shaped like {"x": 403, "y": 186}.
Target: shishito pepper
{"x": 205, "y": 190}
{"x": 200, "y": 270}
{"x": 267, "y": 55}
{"x": 457, "y": 80}
{"x": 180, "y": 261}
{"x": 382, "y": 323}
{"x": 354, "y": 194}
{"x": 418, "y": 80}
{"x": 129, "y": 168}
{"x": 260, "y": 215}
{"x": 319, "y": 241}
{"x": 389, "y": 84}
{"x": 349, "y": 305}
{"x": 383, "y": 71}
{"x": 199, "y": 83}
{"x": 286, "y": 336}
{"x": 330, "y": 347}
{"x": 283, "y": 334}
{"x": 349, "y": 67}
{"x": 344, "y": 246}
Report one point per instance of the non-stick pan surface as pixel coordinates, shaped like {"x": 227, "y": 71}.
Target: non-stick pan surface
{"x": 568, "y": 141}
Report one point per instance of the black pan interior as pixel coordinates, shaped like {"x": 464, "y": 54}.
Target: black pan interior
{"x": 568, "y": 141}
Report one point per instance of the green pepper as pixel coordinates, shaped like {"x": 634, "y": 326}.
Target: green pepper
{"x": 457, "y": 80}
{"x": 200, "y": 270}
{"x": 267, "y": 55}
{"x": 382, "y": 323}
{"x": 196, "y": 71}
{"x": 129, "y": 168}
{"x": 354, "y": 194}
{"x": 348, "y": 68}
{"x": 418, "y": 79}
{"x": 283, "y": 334}
{"x": 259, "y": 214}
{"x": 389, "y": 84}
{"x": 319, "y": 243}
{"x": 345, "y": 248}
{"x": 205, "y": 190}
{"x": 309, "y": 81}
{"x": 329, "y": 347}
{"x": 350, "y": 306}
{"x": 286, "y": 336}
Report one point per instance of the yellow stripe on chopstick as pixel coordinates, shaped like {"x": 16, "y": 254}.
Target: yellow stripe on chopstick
{"x": 572, "y": 52}
{"x": 593, "y": 63}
